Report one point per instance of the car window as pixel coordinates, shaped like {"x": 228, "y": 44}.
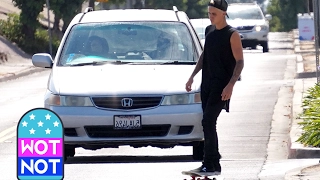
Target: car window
{"x": 238, "y": 12}
{"x": 128, "y": 41}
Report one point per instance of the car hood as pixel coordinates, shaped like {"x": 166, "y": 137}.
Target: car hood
{"x": 122, "y": 79}
{"x": 245, "y": 22}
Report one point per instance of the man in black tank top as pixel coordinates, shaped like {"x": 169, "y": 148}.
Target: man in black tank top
{"x": 221, "y": 63}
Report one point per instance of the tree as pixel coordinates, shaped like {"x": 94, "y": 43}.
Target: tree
{"x": 197, "y": 9}
{"x": 156, "y": 4}
{"x": 138, "y": 5}
{"x": 66, "y": 11}
{"x": 69, "y": 10}
{"x": 285, "y": 14}
{"x": 29, "y": 16}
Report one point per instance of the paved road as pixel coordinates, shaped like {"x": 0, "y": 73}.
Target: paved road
{"x": 244, "y": 133}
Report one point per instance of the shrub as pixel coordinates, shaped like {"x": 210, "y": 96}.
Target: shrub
{"x": 311, "y": 118}
{"x": 42, "y": 41}
{"x": 11, "y": 29}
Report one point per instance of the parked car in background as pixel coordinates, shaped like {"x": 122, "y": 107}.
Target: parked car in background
{"x": 251, "y": 23}
{"x": 119, "y": 77}
{"x": 200, "y": 27}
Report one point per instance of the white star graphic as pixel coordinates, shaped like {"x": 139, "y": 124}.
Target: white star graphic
{"x": 48, "y": 131}
{"x": 48, "y": 117}
{"x": 32, "y": 117}
{"x": 32, "y": 131}
{"x": 56, "y": 124}
{"x": 40, "y": 124}
{"x": 24, "y": 124}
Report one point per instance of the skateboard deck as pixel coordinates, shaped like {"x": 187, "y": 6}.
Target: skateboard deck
{"x": 199, "y": 176}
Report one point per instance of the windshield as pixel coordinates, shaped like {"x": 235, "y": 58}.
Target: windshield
{"x": 245, "y": 12}
{"x": 128, "y": 41}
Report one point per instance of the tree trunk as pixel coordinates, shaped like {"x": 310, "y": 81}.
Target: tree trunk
{"x": 310, "y": 5}
{"x": 91, "y": 3}
{"x": 138, "y": 5}
{"x": 66, "y": 22}
{"x": 56, "y": 23}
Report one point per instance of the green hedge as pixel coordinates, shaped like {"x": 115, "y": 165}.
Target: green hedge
{"x": 11, "y": 29}
{"x": 311, "y": 118}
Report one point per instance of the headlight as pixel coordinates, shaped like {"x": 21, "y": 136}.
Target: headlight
{"x": 55, "y": 100}
{"x": 181, "y": 99}
{"x": 261, "y": 28}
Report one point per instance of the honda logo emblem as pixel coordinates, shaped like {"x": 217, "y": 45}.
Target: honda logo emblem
{"x": 126, "y": 102}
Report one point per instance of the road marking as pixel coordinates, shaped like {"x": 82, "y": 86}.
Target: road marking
{"x": 3, "y": 133}
{"x": 8, "y": 137}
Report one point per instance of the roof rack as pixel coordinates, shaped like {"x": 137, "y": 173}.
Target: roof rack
{"x": 88, "y": 9}
{"x": 175, "y": 9}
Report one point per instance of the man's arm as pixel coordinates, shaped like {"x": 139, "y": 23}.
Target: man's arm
{"x": 198, "y": 66}
{"x": 237, "y": 51}
{"x": 194, "y": 73}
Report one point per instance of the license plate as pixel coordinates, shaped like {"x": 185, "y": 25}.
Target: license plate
{"x": 127, "y": 122}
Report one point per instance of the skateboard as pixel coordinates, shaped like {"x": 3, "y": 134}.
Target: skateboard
{"x": 198, "y": 176}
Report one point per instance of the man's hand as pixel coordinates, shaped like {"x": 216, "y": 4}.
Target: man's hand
{"x": 189, "y": 84}
{"x": 227, "y": 92}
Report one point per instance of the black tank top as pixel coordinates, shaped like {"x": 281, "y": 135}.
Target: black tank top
{"x": 218, "y": 59}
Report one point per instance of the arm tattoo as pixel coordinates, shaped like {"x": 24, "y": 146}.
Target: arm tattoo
{"x": 237, "y": 71}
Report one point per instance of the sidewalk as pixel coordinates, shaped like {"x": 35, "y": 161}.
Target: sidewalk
{"x": 19, "y": 64}
{"x": 305, "y": 78}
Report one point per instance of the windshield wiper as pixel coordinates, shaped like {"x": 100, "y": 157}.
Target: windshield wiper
{"x": 180, "y": 62}
{"x": 98, "y": 63}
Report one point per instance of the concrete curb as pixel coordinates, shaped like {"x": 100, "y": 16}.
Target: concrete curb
{"x": 297, "y": 150}
{"x": 25, "y": 72}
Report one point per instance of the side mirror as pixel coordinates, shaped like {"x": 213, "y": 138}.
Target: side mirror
{"x": 43, "y": 60}
{"x": 268, "y": 17}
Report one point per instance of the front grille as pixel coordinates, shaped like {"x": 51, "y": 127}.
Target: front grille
{"x": 244, "y": 28}
{"x": 109, "y": 132}
{"x": 116, "y": 102}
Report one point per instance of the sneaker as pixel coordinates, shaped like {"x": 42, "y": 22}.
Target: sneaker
{"x": 203, "y": 169}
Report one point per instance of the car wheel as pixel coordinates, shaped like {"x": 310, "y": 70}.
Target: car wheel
{"x": 253, "y": 47}
{"x": 265, "y": 47}
{"x": 198, "y": 150}
{"x": 69, "y": 151}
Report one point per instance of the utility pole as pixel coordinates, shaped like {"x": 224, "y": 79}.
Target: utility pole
{"x": 316, "y": 15}
{"x": 49, "y": 29}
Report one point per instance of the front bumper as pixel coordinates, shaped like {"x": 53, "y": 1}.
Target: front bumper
{"x": 253, "y": 38}
{"x": 91, "y": 127}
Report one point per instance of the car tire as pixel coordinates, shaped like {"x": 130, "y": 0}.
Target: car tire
{"x": 265, "y": 47}
{"x": 69, "y": 151}
{"x": 253, "y": 47}
{"x": 198, "y": 150}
